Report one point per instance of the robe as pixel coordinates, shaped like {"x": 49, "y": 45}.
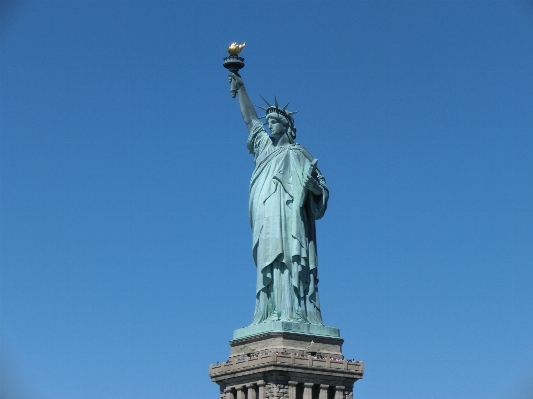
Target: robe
{"x": 282, "y": 216}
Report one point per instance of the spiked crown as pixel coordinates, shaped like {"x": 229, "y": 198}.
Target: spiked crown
{"x": 275, "y": 109}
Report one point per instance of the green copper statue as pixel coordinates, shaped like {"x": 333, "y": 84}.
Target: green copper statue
{"x": 287, "y": 194}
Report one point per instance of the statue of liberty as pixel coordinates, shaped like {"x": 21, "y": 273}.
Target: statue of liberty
{"x": 287, "y": 194}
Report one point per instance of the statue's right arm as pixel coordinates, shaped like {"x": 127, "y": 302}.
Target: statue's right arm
{"x": 247, "y": 108}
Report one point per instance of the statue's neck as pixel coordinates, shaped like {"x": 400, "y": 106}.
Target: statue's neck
{"x": 280, "y": 141}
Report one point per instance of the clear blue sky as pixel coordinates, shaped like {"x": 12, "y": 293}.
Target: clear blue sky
{"x": 125, "y": 243}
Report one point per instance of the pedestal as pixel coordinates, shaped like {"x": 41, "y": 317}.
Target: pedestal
{"x": 286, "y": 365}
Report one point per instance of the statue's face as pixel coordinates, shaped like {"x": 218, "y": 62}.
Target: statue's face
{"x": 275, "y": 125}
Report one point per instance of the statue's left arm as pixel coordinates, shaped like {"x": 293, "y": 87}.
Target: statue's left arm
{"x": 318, "y": 194}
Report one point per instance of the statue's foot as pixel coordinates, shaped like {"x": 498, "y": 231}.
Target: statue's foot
{"x": 272, "y": 317}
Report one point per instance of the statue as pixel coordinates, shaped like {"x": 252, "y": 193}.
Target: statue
{"x": 287, "y": 194}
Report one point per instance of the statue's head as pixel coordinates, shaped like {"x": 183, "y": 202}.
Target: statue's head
{"x": 279, "y": 120}
{"x": 277, "y": 124}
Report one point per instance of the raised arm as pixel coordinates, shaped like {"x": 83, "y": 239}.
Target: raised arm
{"x": 247, "y": 109}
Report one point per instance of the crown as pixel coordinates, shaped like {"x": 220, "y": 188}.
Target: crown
{"x": 275, "y": 109}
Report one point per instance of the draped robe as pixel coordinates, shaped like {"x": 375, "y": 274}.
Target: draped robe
{"x": 282, "y": 216}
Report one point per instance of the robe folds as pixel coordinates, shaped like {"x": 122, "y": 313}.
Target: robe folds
{"x": 282, "y": 216}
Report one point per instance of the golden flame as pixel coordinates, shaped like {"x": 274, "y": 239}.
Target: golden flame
{"x": 235, "y": 49}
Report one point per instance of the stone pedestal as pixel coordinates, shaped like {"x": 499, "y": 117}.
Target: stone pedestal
{"x": 286, "y": 365}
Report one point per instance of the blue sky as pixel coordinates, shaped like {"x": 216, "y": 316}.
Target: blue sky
{"x": 125, "y": 241}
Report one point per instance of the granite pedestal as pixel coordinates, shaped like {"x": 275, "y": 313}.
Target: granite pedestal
{"x": 286, "y": 365}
